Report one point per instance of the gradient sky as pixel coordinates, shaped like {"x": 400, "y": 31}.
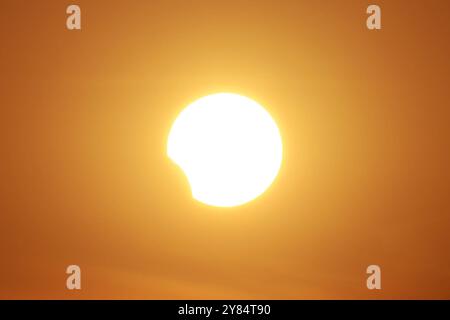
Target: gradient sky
{"x": 84, "y": 177}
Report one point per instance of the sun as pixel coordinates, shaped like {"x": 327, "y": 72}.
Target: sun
{"x": 229, "y": 148}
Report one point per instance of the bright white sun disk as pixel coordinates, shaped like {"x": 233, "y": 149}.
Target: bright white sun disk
{"x": 228, "y": 146}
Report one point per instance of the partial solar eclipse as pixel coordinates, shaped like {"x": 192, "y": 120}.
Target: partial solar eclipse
{"x": 229, "y": 148}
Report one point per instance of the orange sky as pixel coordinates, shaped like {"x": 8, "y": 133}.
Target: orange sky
{"x": 84, "y": 177}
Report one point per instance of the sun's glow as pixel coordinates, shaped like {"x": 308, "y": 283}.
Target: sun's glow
{"x": 228, "y": 146}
